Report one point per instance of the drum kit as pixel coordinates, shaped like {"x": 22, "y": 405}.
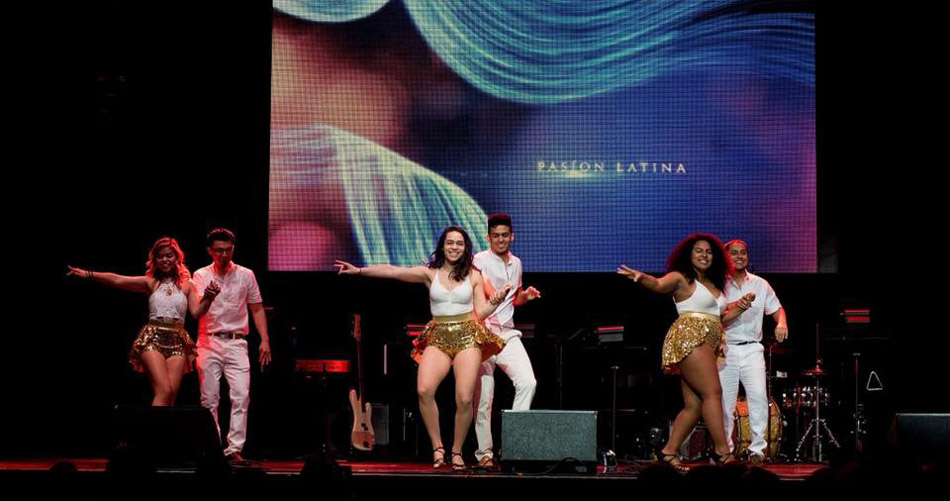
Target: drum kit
{"x": 806, "y": 399}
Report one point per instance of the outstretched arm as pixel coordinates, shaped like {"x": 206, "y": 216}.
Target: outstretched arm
{"x": 141, "y": 284}
{"x": 415, "y": 274}
{"x": 667, "y": 284}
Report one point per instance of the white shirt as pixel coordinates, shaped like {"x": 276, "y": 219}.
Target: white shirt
{"x": 748, "y": 326}
{"x": 228, "y": 311}
{"x": 493, "y": 268}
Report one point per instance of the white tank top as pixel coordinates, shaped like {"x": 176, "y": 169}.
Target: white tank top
{"x": 167, "y": 301}
{"x": 444, "y": 303}
{"x": 702, "y": 301}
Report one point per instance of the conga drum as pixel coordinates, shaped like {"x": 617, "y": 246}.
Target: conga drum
{"x": 742, "y": 434}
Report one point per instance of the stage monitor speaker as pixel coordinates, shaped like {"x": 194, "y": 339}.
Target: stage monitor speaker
{"x": 166, "y": 437}
{"x": 549, "y": 436}
{"x": 925, "y": 435}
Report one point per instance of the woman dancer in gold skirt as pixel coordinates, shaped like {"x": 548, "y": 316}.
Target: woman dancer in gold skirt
{"x": 696, "y": 273}
{"x": 163, "y": 349}
{"x": 454, "y": 338}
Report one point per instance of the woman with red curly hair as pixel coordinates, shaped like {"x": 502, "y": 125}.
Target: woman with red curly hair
{"x": 163, "y": 349}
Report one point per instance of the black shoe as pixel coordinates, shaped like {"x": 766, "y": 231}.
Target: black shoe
{"x": 723, "y": 459}
{"x": 671, "y": 459}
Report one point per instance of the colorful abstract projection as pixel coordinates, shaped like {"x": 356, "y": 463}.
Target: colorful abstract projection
{"x": 548, "y": 51}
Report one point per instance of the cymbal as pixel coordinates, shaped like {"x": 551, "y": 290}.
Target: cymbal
{"x": 814, "y": 372}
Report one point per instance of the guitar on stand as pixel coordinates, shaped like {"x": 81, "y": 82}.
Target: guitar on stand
{"x": 362, "y": 437}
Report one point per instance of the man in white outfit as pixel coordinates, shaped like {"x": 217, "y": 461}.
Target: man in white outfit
{"x": 500, "y": 266}
{"x": 222, "y": 346}
{"x": 744, "y": 361}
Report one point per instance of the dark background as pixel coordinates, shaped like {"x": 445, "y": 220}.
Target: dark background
{"x": 140, "y": 121}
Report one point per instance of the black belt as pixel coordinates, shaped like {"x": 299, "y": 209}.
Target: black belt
{"x": 229, "y": 335}
{"x": 743, "y": 343}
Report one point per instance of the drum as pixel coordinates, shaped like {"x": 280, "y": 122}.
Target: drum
{"x": 803, "y": 397}
{"x": 742, "y": 436}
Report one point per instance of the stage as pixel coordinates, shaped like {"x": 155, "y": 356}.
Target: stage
{"x": 362, "y": 139}
{"x": 94, "y": 479}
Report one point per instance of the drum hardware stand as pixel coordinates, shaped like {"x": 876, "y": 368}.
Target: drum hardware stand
{"x": 817, "y": 424}
{"x": 609, "y": 456}
{"x": 613, "y": 409}
{"x": 611, "y": 334}
{"x": 858, "y": 431}
{"x": 559, "y": 375}
{"x": 855, "y": 320}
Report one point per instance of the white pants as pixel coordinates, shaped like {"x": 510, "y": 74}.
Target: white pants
{"x": 514, "y": 360}
{"x": 745, "y": 364}
{"x": 217, "y": 355}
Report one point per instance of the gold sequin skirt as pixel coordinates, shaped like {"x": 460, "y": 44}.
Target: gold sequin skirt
{"x": 687, "y": 332}
{"x": 168, "y": 338}
{"x": 455, "y": 333}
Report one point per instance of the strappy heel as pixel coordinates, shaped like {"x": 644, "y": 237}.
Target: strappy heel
{"x": 457, "y": 466}
{"x": 438, "y": 462}
{"x": 723, "y": 459}
{"x": 670, "y": 459}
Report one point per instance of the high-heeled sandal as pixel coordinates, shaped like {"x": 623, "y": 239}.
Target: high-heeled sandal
{"x": 723, "y": 459}
{"x": 457, "y": 466}
{"x": 670, "y": 459}
{"x": 438, "y": 462}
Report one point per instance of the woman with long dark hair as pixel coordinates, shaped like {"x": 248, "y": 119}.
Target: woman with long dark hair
{"x": 455, "y": 338}
{"x": 696, "y": 274}
{"x": 163, "y": 349}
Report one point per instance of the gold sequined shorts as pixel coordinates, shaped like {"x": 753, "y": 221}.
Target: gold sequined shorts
{"x": 168, "y": 338}
{"x": 687, "y": 332}
{"x": 455, "y": 333}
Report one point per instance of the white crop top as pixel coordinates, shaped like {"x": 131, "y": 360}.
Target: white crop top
{"x": 444, "y": 303}
{"x": 702, "y": 301}
{"x": 167, "y": 301}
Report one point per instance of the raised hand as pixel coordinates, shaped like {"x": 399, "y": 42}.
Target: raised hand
{"x": 346, "y": 268}
{"x": 78, "y": 272}
{"x": 212, "y": 291}
{"x": 499, "y": 295}
{"x": 630, "y": 273}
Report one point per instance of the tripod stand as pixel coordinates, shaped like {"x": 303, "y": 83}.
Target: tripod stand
{"x": 817, "y": 423}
